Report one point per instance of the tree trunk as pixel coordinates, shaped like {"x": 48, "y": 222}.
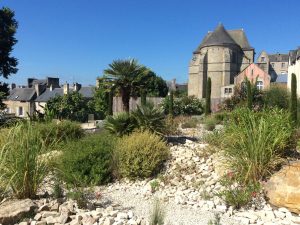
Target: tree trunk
{"x": 125, "y": 99}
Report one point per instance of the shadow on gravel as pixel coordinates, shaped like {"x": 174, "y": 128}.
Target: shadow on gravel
{"x": 175, "y": 140}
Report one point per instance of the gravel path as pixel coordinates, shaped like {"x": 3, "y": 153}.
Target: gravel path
{"x": 174, "y": 214}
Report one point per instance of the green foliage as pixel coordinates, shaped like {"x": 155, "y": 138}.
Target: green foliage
{"x": 126, "y": 77}
{"x": 190, "y": 122}
{"x": 70, "y": 106}
{"x": 8, "y": 28}
{"x": 155, "y": 86}
{"x": 171, "y": 104}
{"x": 23, "y": 166}
{"x": 237, "y": 195}
{"x": 154, "y": 185}
{"x": 249, "y": 94}
{"x": 293, "y": 102}
{"x": 157, "y": 216}
{"x": 143, "y": 98}
{"x": 215, "y": 221}
{"x": 253, "y": 143}
{"x": 210, "y": 123}
{"x": 148, "y": 117}
{"x": 87, "y": 161}
{"x": 208, "y": 97}
{"x": 171, "y": 125}
{"x": 120, "y": 124}
{"x": 60, "y": 132}
{"x": 188, "y": 105}
{"x": 57, "y": 190}
{"x": 141, "y": 154}
{"x": 80, "y": 196}
{"x": 276, "y": 97}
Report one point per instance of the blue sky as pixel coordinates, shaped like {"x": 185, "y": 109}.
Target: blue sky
{"x": 77, "y": 39}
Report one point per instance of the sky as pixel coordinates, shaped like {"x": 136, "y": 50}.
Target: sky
{"x": 76, "y": 40}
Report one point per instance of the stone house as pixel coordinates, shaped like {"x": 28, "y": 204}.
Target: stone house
{"x": 26, "y": 101}
{"x": 222, "y": 55}
{"x": 273, "y": 64}
{"x": 294, "y": 67}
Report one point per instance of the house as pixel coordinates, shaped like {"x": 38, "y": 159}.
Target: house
{"x": 294, "y": 68}
{"x": 254, "y": 74}
{"x": 222, "y": 55}
{"x": 26, "y": 101}
{"x": 273, "y": 64}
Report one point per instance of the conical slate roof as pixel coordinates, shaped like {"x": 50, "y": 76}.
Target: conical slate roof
{"x": 220, "y": 37}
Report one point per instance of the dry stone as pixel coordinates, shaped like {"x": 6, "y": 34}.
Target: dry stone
{"x": 12, "y": 211}
{"x": 283, "y": 188}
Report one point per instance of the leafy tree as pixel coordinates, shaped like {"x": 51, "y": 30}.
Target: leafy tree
{"x": 3, "y": 94}
{"x": 156, "y": 86}
{"x": 125, "y": 76}
{"x": 208, "y": 97}
{"x": 71, "y": 106}
{"x": 293, "y": 103}
{"x": 8, "y": 28}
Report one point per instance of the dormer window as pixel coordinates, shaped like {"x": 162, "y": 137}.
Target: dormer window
{"x": 17, "y": 97}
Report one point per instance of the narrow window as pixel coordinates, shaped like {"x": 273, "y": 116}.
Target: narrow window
{"x": 226, "y": 91}
{"x": 262, "y": 59}
{"x": 20, "y": 111}
{"x": 282, "y": 65}
{"x": 230, "y": 90}
{"x": 259, "y": 85}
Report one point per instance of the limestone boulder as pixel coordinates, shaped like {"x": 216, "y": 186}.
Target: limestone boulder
{"x": 283, "y": 188}
{"x": 14, "y": 210}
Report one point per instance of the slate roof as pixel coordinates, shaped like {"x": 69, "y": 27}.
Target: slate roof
{"x": 87, "y": 92}
{"x": 279, "y": 57}
{"x": 220, "y": 36}
{"x": 281, "y": 78}
{"x": 21, "y": 94}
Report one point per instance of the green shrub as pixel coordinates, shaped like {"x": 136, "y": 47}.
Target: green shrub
{"x": 210, "y": 123}
{"x": 58, "y": 192}
{"x": 254, "y": 142}
{"x": 80, "y": 196}
{"x": 22, "y": 166}
{"x": 237, "y": 195}
{"x": 293, "y": 101}
{"x": 190, "y": 123}
{"x": 276, "y": 97}
{"x": 61, "y": 131}
{"x": 120, "y": 124}
{"x": 171, "y": 124}
{"x": 148, "y": 117}
{"x": 187, "y": 105}
{"x": 87, "y": 161}
{"x": 141, "y": 154}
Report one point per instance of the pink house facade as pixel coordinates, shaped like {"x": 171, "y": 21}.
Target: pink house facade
{"x": 255, "y": 75}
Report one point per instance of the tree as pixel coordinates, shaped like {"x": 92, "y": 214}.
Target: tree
{"x": 293, "y": 103}
{"x": 208, "y": 97}
{"x": 8, "y": 28}
{"x": 249, "y": 95}
{"x": 171, "y": 106}
{"x": 70, "y": 106}
{"x": 125, "y": 76}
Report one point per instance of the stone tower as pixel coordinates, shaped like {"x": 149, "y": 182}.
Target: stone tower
{"x": 221, "y": 56}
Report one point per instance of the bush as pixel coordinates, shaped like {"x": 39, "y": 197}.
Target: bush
{"x": 141, "y": 154}
{"x": 22, "y": 168}
{"x": 120, "y": 124}
{"x": 210, "y": 123}
{"x": 253, "y": 143}
{"x": 149, "y": 118}
{"x": 172, "y": 125}
{"x": 158, "y": 215}
{"x": 190, "y": 123}
{"x": 188, "y": 105}
{"x": 87, "y": 161}
{"x": 61, "y": 131}
{"x": 276, "y": 97}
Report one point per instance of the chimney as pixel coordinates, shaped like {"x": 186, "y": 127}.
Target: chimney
{"x": 51, "y": 87}
{"x": 77, "y": 87}
{"x": 66, "y": 88}
{"x": 37, "y": 88}
{"x": 12, "y": 86}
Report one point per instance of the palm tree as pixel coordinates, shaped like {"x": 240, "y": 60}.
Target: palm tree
{"x": 125, "y": 76}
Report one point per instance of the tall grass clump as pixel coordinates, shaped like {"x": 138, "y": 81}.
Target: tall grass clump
{"x": 158, "y": 215}
{"x": 22, "y": 165}
{"x": 254, "y": 143}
